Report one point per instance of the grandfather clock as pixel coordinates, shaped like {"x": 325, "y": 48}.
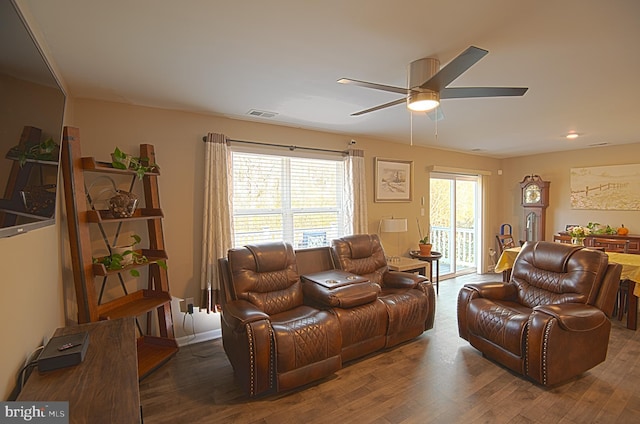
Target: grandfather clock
{"x": 535, "y": 199}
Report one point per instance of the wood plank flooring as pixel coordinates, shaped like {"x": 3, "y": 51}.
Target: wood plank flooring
{"x": 436, "y": 378}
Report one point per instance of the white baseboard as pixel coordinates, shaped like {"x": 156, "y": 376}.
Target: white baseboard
{"x": 199, "y": 337}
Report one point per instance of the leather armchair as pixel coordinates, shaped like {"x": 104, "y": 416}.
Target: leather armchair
{"x": 408, "y": 299}
{"x": 550, "y": 321}
{"x": 273, "y": 341}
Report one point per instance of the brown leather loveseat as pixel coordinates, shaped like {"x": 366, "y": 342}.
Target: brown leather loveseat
{"x": 550, "y": 321}
{"x": 281, "y": 330}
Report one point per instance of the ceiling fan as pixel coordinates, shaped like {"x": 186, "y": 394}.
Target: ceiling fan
{"x": 427, "y": 83}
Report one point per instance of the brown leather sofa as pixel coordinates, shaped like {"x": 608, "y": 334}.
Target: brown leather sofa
{"x": 409, "y": 299}
{"x": 281, "y": 330}
{"x": 550, "y": 321}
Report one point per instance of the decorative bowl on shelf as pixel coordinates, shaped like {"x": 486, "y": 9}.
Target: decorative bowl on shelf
{"x": 123, "y": 204}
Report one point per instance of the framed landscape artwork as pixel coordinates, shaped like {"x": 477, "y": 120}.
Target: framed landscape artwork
{"x": 606, "y": 187}
{"x": 393, "y": 180}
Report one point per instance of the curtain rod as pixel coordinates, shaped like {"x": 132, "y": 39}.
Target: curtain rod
{"x": 292, "y": 147}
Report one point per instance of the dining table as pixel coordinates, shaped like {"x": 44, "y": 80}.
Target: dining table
{"x": 630, "y": 272}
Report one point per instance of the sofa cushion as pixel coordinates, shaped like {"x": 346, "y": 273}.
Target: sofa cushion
{"x": 305, "y": 335}
{"x": 273, "y": 289}
{"x": 557, "y": 274}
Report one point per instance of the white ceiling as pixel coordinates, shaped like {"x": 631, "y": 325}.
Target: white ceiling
{"x": 579, "y": 58}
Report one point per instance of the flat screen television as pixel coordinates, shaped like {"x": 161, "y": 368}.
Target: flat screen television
{"x": 31, "y": 118}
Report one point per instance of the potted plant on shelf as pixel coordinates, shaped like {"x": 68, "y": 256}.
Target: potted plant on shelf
{"x": 47, "y": 150}
{"x": 122, "y": 160}
{"x": 121, "y": 256}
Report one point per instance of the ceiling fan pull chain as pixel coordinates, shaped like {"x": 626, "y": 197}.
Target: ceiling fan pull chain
{"x": 437, "y": 123}
{"x": 411, "y": 115}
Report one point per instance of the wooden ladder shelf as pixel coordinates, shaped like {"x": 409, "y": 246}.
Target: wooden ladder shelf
{"x": 155, "y": 345}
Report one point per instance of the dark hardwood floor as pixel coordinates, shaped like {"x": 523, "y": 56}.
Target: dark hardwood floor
{"x": 436, "y": 378}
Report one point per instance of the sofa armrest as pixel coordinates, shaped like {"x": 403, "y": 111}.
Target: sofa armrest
{"x": 495, "y": 291}
{"x": 490, "y": 290}
{"x": 238, "y": 313}
{"x": 574, "y": 316}
{"x": 347, "y": 296}
{"x": 402, "y": 280}
{"x": 565, "y": 340}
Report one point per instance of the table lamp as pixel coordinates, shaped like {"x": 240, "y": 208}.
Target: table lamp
{"x": 394, "y": 225}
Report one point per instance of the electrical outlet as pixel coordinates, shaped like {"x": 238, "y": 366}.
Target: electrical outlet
{"x": 189, "y": 305}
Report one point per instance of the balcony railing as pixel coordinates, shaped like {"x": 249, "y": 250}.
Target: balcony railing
{"x": 465, "y": 243}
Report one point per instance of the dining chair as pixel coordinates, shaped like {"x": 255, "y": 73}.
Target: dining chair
{"x": 505, "y": 241}
{"x": 610, "y": 244}
{"x": 620, "y": 246}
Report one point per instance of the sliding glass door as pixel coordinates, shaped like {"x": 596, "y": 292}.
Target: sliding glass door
{"x": 454, "y": 217}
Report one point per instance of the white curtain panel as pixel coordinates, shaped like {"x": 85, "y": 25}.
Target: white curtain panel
{"x": 217, "y": 219}
{"x": 356, "y": 194}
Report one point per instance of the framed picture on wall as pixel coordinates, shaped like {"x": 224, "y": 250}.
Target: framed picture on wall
{"x": 393, "y": 180}
{"x": 612, "y": 187}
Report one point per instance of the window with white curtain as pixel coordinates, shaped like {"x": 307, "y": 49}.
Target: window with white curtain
{"x": 285, "y": 197}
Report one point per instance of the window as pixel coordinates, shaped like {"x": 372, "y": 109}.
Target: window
{"x": 296, "y": 199}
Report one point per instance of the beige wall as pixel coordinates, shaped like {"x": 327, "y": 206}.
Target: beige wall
{"x": 177, "y": 137}
{"x": 555, "y": 167}
{"x": 31, "y": 297}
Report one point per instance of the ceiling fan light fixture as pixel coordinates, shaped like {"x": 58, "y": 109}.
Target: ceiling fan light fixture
{"x": 423, "y": 101}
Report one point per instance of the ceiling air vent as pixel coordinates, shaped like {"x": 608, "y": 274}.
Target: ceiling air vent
{"x": 603, "y": 143}
{"x": 261, "y": 113}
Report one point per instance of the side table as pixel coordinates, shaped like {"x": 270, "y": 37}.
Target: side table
{"x": 407, "y": 265}
{"x": 433, "y": 257}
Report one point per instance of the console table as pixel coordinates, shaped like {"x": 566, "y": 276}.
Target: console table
{"x": 634, "y": 240}
{"x": 104, "y": 387}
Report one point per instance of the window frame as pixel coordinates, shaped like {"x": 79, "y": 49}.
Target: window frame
{"x": 287, "y": 211}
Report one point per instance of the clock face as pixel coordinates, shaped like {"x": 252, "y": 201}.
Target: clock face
{"x": 532, "y": 194}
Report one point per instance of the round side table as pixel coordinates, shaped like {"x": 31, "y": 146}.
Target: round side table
{"x": 433, "y": 257}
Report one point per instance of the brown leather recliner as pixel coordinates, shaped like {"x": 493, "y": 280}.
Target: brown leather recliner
{"x": 409, "y": 299}
{"x": 550, "y": 321}
{"x": 273, "y": 341}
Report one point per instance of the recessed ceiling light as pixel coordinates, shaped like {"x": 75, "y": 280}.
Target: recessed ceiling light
{"x": 572, "y": 135}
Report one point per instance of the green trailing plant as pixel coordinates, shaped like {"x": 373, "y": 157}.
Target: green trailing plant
{"x": 47, "y": 150}
{"x": 122, "y": 160}
{"x": 117, "y": 261}
{"x": 596, "y": 228}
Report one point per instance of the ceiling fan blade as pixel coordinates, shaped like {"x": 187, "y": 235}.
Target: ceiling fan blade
{"x": 375, "y": 86}
{"x": 393, "y": 103}
{"x": 454, "y": 69}
{"x": 466, "y": 92}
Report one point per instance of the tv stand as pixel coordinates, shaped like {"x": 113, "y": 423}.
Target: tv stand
{"x": 104, "y": 387}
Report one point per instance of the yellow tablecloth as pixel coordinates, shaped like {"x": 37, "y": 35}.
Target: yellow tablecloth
{"x": 507, "y": 258}
{"x": 630, "y": 264}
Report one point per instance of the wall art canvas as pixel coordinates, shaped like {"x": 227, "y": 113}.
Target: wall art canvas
{"x": 393, "y": 179}
{"x": 606, "y": 187}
